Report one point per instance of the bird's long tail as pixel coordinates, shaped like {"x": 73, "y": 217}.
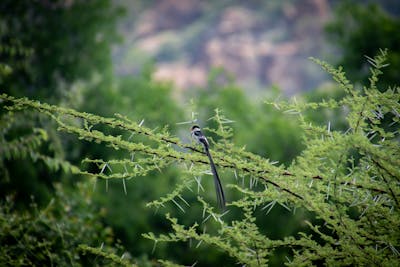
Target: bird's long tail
{"x": 217, "y": 182}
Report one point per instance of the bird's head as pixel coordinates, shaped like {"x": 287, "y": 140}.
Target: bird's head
{"x": 194, "y": 128}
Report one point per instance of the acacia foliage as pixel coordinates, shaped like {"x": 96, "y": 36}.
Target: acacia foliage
{"x": 348, "y": 180}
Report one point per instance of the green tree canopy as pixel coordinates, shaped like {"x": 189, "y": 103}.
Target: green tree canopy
{"x": 47, "y": 43}
{"x": 360, "y": 30}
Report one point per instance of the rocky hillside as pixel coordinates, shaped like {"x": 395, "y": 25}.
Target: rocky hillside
{"x": 260, "y": 42}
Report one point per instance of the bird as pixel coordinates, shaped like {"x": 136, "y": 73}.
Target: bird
{"x": 200, "y": 138}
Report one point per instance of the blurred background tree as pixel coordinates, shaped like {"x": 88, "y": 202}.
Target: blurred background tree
{"x": 50, "y": 43}
{"x": 360, "y": 30}
{"x": 48, "y": 46}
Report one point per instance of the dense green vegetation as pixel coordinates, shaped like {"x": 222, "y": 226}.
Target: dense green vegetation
{"x": 358, "y": 34}
{"x": 313, "y": 180}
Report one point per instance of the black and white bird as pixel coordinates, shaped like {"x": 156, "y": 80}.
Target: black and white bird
{"x": 198, "y": 135}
